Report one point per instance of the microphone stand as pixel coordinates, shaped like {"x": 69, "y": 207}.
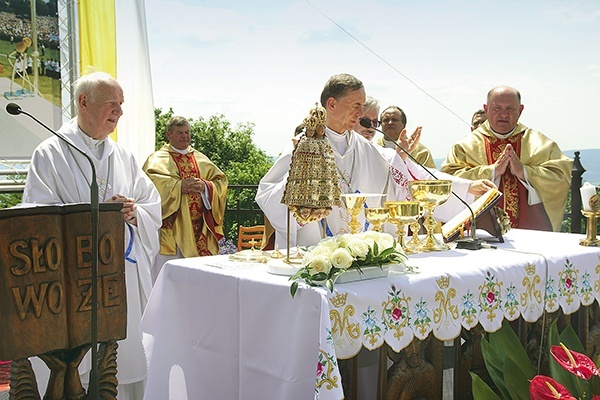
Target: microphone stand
{"x": 471, "y": 243}
{"x": 14, "y": 109}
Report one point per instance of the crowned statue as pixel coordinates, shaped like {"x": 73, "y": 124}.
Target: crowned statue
{"x": 312, "y": 186}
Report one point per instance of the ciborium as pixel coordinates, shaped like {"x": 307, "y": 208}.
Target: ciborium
{"x": 377, "y": 216}
{"x": 403, "y": 213}
{"x": 430, "y": 194}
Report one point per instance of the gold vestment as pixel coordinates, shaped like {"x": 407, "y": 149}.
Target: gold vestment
{"x": 548, "y": 169}
{"x": 181, "y": 211}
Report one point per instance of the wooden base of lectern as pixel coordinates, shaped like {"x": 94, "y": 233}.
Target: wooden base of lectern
{"x": 64, "y": 382}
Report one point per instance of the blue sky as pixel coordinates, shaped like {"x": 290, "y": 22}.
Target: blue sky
{"x": 266, "y": 62}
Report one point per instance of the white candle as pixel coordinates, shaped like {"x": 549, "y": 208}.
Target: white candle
{"x": 587, "y": 191}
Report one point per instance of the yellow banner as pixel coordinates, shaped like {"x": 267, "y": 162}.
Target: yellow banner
{"x": 97, "y": 38}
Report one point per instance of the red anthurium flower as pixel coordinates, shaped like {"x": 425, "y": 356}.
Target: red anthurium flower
{"x": 545, "y": 388}
{"x": 576, "y": 363}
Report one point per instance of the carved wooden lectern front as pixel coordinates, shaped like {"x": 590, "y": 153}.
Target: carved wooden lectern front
{"x": 45, "y": 295}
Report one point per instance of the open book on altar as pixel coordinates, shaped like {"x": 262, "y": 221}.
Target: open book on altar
{"x": 485, "y": 218}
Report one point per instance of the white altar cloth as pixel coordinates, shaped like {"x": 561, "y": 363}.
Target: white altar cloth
{"x": 220, "y": 330}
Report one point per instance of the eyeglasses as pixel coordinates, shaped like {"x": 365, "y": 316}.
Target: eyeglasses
{"x": 375, "y": 123}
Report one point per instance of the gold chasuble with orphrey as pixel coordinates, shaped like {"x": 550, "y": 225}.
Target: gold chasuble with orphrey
{"x": 514, "y": 201}
{"x": 188, "y": 168}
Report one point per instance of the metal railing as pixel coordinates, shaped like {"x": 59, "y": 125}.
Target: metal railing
{"x": 12, "y": 175}
{"x": 576, "y": 180}
{"x": 243, "y": 210}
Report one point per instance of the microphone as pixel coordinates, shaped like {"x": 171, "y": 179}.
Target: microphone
{"x": 472, "y": 243}
{"x": 15, "y": 109}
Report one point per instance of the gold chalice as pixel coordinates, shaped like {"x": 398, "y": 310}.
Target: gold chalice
{"x": 414, "y": 245}
{"x": 401, "y": 214}
{"x": 354, "y": 204}
{"x": 431, "y": 194}
{"x": 377, "y": 216}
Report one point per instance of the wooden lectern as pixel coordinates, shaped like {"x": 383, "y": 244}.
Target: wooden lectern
{"x": 45, "y": 282}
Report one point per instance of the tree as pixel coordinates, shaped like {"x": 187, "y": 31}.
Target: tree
{"x": 232, "y": 150}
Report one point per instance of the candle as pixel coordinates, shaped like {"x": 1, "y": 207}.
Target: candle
{"x": 587, "y": 192}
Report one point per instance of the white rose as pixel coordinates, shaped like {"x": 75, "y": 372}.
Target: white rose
{"x": 384, "y": 241}
{"x": 322, "y": 250}
{"x": 358, "y": 247}
{"x": 318, "y": 264}
{"x": 330, "y": 243}
{"x": 341, "y": 258}
{"x": 369, "y": 237}
{"x": 307, "y": 259}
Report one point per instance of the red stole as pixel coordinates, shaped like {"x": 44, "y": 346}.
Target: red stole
{"x": 188, "y": 168}
{"x": 514, "y": 201}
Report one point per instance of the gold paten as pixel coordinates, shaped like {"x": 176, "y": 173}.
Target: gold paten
{"x": 312, "y": 185}
{"x": 250, "y": 255}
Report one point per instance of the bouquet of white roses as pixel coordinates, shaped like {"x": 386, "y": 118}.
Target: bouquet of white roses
{"x": 334, "y": 255}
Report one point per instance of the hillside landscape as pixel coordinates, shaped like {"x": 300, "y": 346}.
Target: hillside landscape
{"x": 590, "y": 160}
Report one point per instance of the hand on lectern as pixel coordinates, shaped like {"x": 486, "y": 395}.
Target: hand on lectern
{"x": 129, "y": 208}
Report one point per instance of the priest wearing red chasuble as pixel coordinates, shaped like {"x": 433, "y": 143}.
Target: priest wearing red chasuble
{"x": 528, "y": 168}
{"x": 193, "y": 193}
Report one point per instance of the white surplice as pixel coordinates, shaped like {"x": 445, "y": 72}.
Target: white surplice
{"x": 59, "y": 174}
{"x": 362, "y": 167}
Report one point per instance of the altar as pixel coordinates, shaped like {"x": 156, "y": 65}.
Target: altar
{"x": 218, "y": 329}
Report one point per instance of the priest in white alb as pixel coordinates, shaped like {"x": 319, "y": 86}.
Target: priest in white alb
{"x": 361, "y": 167}
{"x": 58, "y": 174}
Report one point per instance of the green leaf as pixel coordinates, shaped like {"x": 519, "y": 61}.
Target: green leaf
{"x": 570, "y": 339}
{"x": 516, "y": 381}
{"x": 320, "y": 276}
{"x": 506, "y": 340}
{"x": 329, "y": 283}
{"x": 293, "y": 289}
{"x": 494, "y": 363}
{"x": 384, "y": 254}
{"x": 481, "y": 390}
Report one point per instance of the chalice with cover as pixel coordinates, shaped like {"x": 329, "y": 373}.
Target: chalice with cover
{"x": 430, "y": 194}
{"x": 403, "y": 213}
